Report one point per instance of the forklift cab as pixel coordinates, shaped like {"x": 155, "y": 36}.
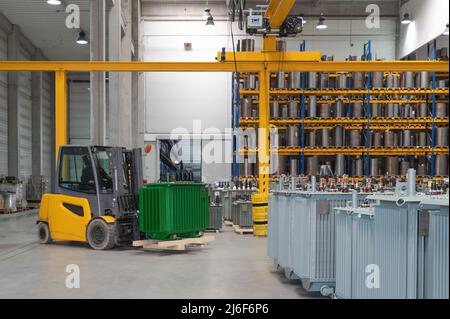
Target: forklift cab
{"x": 95, "y": 197}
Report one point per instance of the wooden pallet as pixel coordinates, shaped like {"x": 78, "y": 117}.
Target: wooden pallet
{"x": 228, "y": 223}
{"x": 6, "y": 211}
{"x": 242, "y": 231}
{"x": 212, "y": 231}
{"x": 181, "y": 244}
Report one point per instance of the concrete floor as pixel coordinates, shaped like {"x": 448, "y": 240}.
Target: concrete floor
{"x": 233, "y": 266}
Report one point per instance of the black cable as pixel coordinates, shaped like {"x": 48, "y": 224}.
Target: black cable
{"x": 234, "y": 49}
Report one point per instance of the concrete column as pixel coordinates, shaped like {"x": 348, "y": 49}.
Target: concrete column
{"x": 120, "y": 89}
{"x": 98, "y": 79}
{"x": 138, "y": 84}
{"x": 53, "y": 139}
{"x": 36, "y": 104}
{"x": 114, "y": 50}
{"x": 126, "y": 109}
{"x": 13, "y": 105}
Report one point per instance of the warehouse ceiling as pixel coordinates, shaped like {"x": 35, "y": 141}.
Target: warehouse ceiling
{"x": 331, "y": 8}
{"x": 44, "y": 26}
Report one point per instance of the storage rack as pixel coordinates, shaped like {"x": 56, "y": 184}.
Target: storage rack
{"x": 367, "y": 96}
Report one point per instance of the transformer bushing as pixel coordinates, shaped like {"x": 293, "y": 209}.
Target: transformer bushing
{"x": 312, "y": 165}
{"x": 377, "y": 80}
{"x": 294, "y": 82}
{"x": 312, "y": 107}
{"x": 339, "y": 165}
{"x": 324, "y": 81}
{"x": 392, "y": 165}
{"x": 293, "y": 136}
{"x": 284, "y": 111}
{"x": 313, "y": 79}
{"x": 281, "y": 81}
{"x": 404, "y": 167}
{"x": 357, "y": 110}
{"x": 274, "y": 110}
{"x": 392, "y": 81}
{"x": 423, "y": 110}
{"x": 312, "y": 138}
{"x": 281, "y": 78}
{"x": 442, "y": 84}
{"x": 441, "y": 110}
{"x": 325, "y": 111}
{"x": 246, "y": 108}
{"x": 424, "y": 80}
{"x": 339, "y": 109}
{"x": 406, "y": 111}
{"x": 358, "y": 167}
{"x": 392, "y": 111}
{"x": 248, "y": 45}
{"x": 293, "y": 166}
{"x": 248, "y": 168}
{"x": 255, "y": 112}
{"x": 374, "y": 167}
{"x": 325, "y": 133}
{"x": 338, "y": 136}
{"x": 293, "y": 109}
{"x": 341, "y": 81}
{"x": 422, "y": 140}
{"x": 421, "y": 167}
{"x": 355, "y": 138}
{"x": 375, "y": 110}
{"x": 406, "y": 138}
{"x": 358, "y": 80}
{"x": 274, "y": 139}
{"x": 442, "y": 137}
{"x": 408, "y": 80}
{"x": 441, "y": 165}
{"x": 389, "y": 139}
{"x": 376, "y": 140}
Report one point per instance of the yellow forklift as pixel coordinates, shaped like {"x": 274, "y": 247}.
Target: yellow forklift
{"x": 95, "y": 198}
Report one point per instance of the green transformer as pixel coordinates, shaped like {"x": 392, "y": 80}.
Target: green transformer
{"x": 169, "y": 211}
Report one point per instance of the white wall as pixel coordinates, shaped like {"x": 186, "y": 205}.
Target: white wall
{"x": 79, "y": 113}
{"x": 429, "y": 20}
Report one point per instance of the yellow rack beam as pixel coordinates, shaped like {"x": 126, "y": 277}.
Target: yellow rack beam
{"x": 413, "y": 151}
{"x": 351, "y": 121}
{"x": 359, "y": 92}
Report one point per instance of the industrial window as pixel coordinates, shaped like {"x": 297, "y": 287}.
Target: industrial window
{"x": 76, "y": 172}
{"x": 181, "y": 159}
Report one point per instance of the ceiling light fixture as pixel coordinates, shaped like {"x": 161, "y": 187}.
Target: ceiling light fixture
{"x": 446, "y": 30}
{"x": 54, "y": 2}
{"x": 82, "y": 39}
{"x": 209, "y": 17}
{"x": 322, "y": 25}
{"x": 406, "y": 19}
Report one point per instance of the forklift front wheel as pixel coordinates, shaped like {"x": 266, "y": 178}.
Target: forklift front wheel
{"x": 100, "y": 235}
{"x": 44, "y": 233}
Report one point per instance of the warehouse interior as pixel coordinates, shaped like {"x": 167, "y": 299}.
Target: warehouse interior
{"x": 268, "y": 149}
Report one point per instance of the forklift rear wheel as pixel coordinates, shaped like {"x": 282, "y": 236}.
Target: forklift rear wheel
{"x": 100, "y": 235}
{"x": 44, "y": 233}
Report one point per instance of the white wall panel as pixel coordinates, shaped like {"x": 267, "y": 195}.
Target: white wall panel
{"x": 429, "y": 20}
{"x": 46, "y": 150}
{"x": 24, "y": 119}
{"x": 79, "y": 113}
{"x": 3, "y": 108}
